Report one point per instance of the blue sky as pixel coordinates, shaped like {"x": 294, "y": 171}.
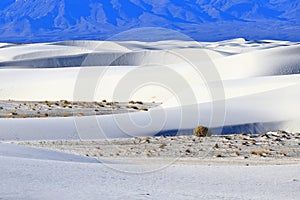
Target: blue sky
{"x": 203, "y": 20}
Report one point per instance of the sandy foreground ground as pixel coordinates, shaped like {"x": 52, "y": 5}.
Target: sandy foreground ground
{"x": 241, "y": 166}
{"x": 49, "y": 179}
{"x": 64, "y": 108}
{"x": 241, "y": 149}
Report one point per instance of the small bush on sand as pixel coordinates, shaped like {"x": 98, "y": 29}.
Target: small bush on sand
{"x": 218, "y": 155}
{"x": 143, "y": 109}
{"x": 202, "y": 131}
{"x": 260, "y": 152}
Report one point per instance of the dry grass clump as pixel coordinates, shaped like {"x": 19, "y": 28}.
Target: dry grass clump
{"x": 66, "y": 104}
{"x": 65, "y": 115}
{"x": 145, "y": 140}
{"x": 202, "y": 131}
{"x": 237, "y": 153}
{"x": 12, "y": 115}
{"x": 149, "y": 152}
{"x": 80, "y": 114}
{"x": 282, "y": 153}
{"x": 218, "y": 155}
{"x": 188, "y": 151}
{"x": 16, "y": 116}
{"x": 133, "y": 107}
{"x": 162, "y": 146}
{"x": 99, "y": 104}
{"x": 117, "y": 153}
{"x": 260, "y": 152}
{"x": 109, "y": 103}
{"x": 143, "y": 109}
{"x": 135, "y": 102}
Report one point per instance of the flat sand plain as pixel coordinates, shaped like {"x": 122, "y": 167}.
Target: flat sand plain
{"x": 237, "y": 149}
{"x": 64, "y": 108}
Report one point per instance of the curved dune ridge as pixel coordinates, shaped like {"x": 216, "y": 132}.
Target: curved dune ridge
{"x": 256, "y": 85}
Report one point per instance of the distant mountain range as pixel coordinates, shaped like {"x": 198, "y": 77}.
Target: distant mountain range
{"x": 206, "y": 20}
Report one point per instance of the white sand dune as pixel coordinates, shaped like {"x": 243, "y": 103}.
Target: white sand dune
{"x": 231, "y": 86}
{"x": 25, "y": 178}
{"x": 255, "y": 82}
{"x": 21, "y": 152}
{"x": 31, "y": 51}
{"x": 28, "y": 173}
{"x": 267, "y": 62}
{"x": 105, "y": 46}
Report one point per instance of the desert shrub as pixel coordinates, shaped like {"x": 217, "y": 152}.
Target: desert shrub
{"x": 202, "y": 131}
{"x": 143, "y": 109}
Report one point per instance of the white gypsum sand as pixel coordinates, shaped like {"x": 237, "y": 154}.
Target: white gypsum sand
{"x": 237, "y": 149}
{"x": 253, "y": 85}
{"x": 257, "y": 82}
{"x": 40, "y": 174}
